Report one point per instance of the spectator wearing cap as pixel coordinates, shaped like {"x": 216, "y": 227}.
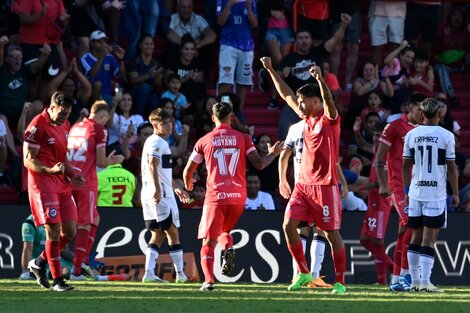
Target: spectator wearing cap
{"x": 100, "y": 66}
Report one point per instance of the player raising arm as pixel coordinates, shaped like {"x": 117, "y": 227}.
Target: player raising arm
{"x": 225, "y": 151}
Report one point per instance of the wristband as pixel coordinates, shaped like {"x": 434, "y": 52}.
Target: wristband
{"x": 407, "y": 190}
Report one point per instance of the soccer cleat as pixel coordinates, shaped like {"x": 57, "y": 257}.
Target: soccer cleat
{"x": 397, "y": 287}
{"x": 60, "y": 285}
{"x": 153, "y": 279}
{"x": 40, "y": 273}
{"x": 181, "y": 278}
{"x": 207, "y": 287}
{"x": 263, "y": 83}
{"x": 339, "y": 289}
{"x": 415, "y": 287}
{"x": 228, "y": 262}
{"x": 300, "y": 280}
{"x": 319, "y": 283}
{"x": 430, "y": 288}
{"x": 88, "y": 272}
{"x": 405, "y": 281}
{"x": 78, "y": 277}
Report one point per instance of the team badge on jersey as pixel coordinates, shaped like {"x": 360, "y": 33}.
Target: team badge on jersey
{"x": 52, "y": 212}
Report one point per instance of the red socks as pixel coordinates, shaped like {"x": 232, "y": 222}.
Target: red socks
{"x": 339, "y": 259}
{"x": 53, "y": 258}
{"x": 79, "y": 250}
{"x": 397, "y": 256}
{"x": 207, "y": 263}
{"x": 405, "y": 241}
{"x": 91, "y": 240}
{"x": 297, "y": 253}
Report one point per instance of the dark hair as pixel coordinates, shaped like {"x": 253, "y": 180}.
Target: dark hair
{"x": 303, "y": 30}
{"x": 171, "y": 77}
{"x": 258, "y": 137}
{"x": 415, "y": 98}
{"x": 221, "y": 110}
{"x": 187, "y": 38}
{"x": 61, "y": 99}
{"x": 421, "y": 55}
{"x": 406, "y": 49}
{"x": 372, "y": 113}
{"x": 309, "y": 91}
{"x": 378, "y": 93}
{"x": 142, "y": 126}
{"x": 159, "y": 115}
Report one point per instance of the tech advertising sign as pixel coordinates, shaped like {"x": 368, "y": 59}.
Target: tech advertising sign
{"x": 261, "y": 251}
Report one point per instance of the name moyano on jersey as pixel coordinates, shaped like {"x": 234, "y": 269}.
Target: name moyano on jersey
{"x": 224, "y": 141}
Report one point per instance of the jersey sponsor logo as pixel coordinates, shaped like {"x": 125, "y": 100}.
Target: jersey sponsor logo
{"x": 228, "y": 195}
{"x": 51, "y": 141}
{"x": 426, "y": 183}
{"x": 53, "y": 212}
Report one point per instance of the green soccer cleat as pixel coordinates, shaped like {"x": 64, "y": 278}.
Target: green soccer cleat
{"x": 300, "y": 280}
{"x": 338, "y": 289}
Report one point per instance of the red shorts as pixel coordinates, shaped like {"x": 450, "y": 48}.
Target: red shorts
{"x": 397, "y": 199}
{"x": 86, "y": 206}
{"x": 375, "y": 221}
{"x": 52, "y": 208}
{"x": 217, "y": 219}
{"x": 319, "y": 204}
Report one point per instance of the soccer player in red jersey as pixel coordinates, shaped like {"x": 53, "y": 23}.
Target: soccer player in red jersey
{"x": 391, "y": 150}
{"x": 49, "y": 177}
{"x": 316, "y": 195}
{"x": 86, "y": 150}
{"x": 225, "y": 152}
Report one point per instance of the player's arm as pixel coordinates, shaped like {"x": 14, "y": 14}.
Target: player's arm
{"x": 26, "y": 255}
{"x": 181, "y": 193}
{"x": 406, "y": 174}
{"x": 188, "y": 172}
{"x": 33, "y": 164}
{"x": 223, "y": 17}
{"x": 284, "y": 187}
{"x": 453, "y": 176}
{"x": 260, "y": 162}
{"x": 344, "y": 184}
{"x": 154, "y": 178}
{"x": 328, "y": 104}
{"x": 382, "y": 151}
{"x": 284, "y": 91}
{"x": 103, "y": 161}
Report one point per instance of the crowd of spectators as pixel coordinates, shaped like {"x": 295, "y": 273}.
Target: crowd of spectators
{"x": 107, "y": 50}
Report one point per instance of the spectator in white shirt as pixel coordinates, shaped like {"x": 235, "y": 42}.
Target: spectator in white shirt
{"x": 256, "y": 199}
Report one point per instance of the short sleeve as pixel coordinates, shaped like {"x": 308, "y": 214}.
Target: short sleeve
{"x": 33, "y": 136}
{"x": 27, "y": 232}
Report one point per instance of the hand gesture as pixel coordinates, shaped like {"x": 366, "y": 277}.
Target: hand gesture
{"x": 185, "y": 129}
{"x": 84, "y": 112}
{"x": 404, "y": 44}
{"x": 46, "y": 49}
{"x": 345, "y": 18}
{"x": 344, "y": 192}
{"x": 277, "y": 148}
{"x": 119, "y": 52}
{"x": 78, "y": 180}
{"x": 27, "y": 107}
{"x": 267, "y": 64}
{"x": 189, "y": 185}
{"x": 315, "y": 71}
{"x": 284, "y": 189}
{"x": 115, "y": 159}
{"x": 182, "y": 195}
{"x": 130, "y": 130}
{"x": 3, "y": 41}
{"x": 58, "y": 168}
{"x": 357, "y": 124}
{"x": 118, "y": 4}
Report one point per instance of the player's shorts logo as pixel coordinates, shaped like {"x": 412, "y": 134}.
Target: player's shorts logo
{"x": 405, "y": 209}
{"x": 53, "y": 212}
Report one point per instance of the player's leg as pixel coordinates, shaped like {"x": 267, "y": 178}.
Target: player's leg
{"x": 53, "y": 246}
{"x": 84, "y": 209}
{"x": 231, "y": 215}
{"x": 304, "y": 231}
{"x": 317, "y": 254}
{"x": 153, "y": 251}
{"x": 176, "y": 253}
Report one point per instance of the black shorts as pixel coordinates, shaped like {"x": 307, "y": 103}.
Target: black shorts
{"x": 421, "y": 19}
{"x": 31, "y": 53}
{"x": 153, "y": 225}
{"x": 428, "y": 221}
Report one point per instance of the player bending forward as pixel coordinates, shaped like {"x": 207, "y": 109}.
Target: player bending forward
{"x": 430, "y": 152}
{"x": 158, "y": 201}
{"x": 225, "y": 151}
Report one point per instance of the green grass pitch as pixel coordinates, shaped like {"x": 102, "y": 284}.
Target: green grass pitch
{"x": 26, "y": 296}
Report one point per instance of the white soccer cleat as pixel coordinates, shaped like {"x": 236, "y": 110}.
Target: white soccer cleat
{"x": 78, "y": 277}
{"x": 153, "y": 279}
{"x": 181, "y": 278}
{"x": 415, "y": 287}
{"x": 207, "y": 287}
{"x": 430, "y": 288}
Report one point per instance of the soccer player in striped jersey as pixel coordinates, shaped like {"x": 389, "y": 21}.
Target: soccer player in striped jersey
{"x": 429, "y": 154}
{"x": 158, "y": 200}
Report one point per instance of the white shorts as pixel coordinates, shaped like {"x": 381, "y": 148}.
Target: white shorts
{"x": 161, "y": 211}
{"x": 427, "y": 209}
{"x": 384, "y": 29}
{"x": 235, "y": 66}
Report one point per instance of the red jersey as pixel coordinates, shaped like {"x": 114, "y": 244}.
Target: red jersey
{"x": 51, "y": 141}
{"x": 84, "y": 139}
{"x": 44, "y": 30}
{"x": 321, "y": 151}
{"x": 394, "y": 137}
{"x": 225, "y": 151}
